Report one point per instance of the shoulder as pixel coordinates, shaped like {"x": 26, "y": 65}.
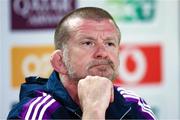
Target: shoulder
{"x": 41, "y": 106}
{"x": 138, "y": 105}
{"x": 33, "y": 83}
{"x": 129, "y": 95}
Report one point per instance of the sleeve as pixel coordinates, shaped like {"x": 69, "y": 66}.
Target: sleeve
{"x": 40, "y": 107}
{"x": 16, "y": 110}
{"x": 142, "y": 110}
{"x": 139, "y": 108}
{"x": 27, "y": 93}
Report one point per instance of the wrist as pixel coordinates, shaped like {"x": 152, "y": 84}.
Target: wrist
{"x": 93, "y": 113}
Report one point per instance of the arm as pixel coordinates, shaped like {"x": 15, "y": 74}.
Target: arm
{"x": 95, "y": 93}
{"x": 143, "y": 110}
{"x": 140, "y": 109}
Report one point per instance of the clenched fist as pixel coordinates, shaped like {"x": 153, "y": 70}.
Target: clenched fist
{"x": 95, "y": 93}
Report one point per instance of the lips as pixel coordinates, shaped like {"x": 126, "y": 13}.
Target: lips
{"x": 101, "y": 64}
{"x": 101, "y": 67}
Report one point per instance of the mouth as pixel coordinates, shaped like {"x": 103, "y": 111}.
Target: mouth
{"x": 103, "y": 70}
{"x": 101, "y": 67}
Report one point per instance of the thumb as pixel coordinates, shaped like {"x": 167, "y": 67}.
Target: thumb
{"x": 112, "y": 95}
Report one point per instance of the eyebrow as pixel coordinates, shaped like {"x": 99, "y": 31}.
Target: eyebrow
{"x": 85, "y": 36}
{"x": 111, "y": 39}
{"x": 88, "y": 37}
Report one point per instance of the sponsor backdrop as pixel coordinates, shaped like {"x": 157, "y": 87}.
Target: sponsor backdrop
{"x": 149, "y": 53}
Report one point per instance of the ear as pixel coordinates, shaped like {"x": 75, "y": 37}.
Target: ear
{"x": 57, "y": 62}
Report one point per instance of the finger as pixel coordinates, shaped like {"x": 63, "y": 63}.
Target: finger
{"x": 112, "y": 95}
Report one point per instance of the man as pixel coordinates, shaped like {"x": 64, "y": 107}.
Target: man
{"x": 85, "y": 63}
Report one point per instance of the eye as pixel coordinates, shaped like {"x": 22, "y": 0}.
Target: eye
{"x": 88, "y": 43}
{"x": 111, "y": 44}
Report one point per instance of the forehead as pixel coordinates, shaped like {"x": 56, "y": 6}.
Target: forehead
{"x": 88, "y": 24}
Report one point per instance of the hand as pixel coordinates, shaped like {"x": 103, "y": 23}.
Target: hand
{"x": 95, "y": 93}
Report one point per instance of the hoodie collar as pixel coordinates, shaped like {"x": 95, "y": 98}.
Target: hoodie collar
{"x": 57, "y": 90}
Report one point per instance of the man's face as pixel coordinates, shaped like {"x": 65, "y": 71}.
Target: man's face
{"x": 93, "y": 49}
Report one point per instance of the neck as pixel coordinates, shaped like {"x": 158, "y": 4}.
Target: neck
{"x": 71, "y": 87}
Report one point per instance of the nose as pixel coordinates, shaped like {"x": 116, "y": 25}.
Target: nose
{"x": 100, "y": 52}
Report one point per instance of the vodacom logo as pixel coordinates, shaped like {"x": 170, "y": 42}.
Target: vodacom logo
{"x": 135, "y": 71}
{"x": 140, "y": 64}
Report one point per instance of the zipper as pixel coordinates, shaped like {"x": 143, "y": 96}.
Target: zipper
{"x": 74, "y": 112}
{"x": 77, "y": 115}
{"x": 125, "y": 113}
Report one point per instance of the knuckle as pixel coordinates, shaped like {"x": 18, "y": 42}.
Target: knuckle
{"x": 80, "y": 83}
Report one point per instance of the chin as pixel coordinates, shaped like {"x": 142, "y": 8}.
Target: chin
{"x": 109, "y": 76}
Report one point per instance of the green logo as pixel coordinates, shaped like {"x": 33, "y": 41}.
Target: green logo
{"x": 132, "y": 10}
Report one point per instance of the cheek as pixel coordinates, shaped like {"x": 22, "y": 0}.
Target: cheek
{"x": 116, "y": 62}
{"x": 79, "y": 59}
{"x": 115, "y": 58}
